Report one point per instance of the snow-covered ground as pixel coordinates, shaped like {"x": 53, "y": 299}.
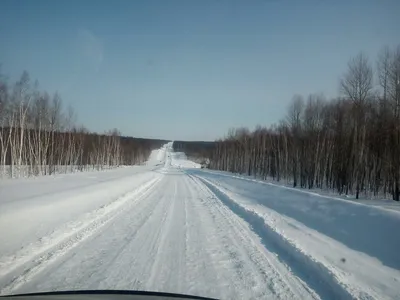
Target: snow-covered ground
{"x": 158, "y": 157}
{"x": 170, "y": 226}
{"x": 180, "y": 160}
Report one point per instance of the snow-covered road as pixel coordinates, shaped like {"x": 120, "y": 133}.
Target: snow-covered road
{"x": 166, "y": 227}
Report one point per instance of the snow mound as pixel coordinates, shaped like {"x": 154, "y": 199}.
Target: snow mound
{"x": 179, "y": 160}
{"x": 158, "y": 156}
{"x": 349, "y": 245}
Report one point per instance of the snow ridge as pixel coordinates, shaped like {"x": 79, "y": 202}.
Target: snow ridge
{"x": 323, "y": 282}
{"x": 170, "y": 226}
{"x": 329, "y": 267}
{"x": 30, "y": 259}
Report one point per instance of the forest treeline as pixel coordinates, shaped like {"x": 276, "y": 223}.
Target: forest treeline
{"x": 350, "y": 144}
{"x": 39, "y": 136}
{"x": 197, "y": 151}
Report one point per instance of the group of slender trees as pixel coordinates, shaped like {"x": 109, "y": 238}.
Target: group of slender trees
{"x": 38, "y": 136}
{"x": 197, "y": 151}
{"x": 350, "y": 144}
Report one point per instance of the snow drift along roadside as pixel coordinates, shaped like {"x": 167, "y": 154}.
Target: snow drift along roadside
{"x": 37, "y": 255}
{"x": 335, "y": 270}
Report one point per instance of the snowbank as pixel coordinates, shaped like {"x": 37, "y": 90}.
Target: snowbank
{"x": 179, "y": 160}
{"x": 158, "y": 156}
{"x": 47, "y": 202}
{"x": 352, "y": 245}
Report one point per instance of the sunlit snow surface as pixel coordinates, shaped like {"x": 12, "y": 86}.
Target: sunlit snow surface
{"x": 170, "y": 226}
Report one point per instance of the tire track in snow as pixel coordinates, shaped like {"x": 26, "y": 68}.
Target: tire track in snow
{"x": 121, "y": 257}
{"x": 111, "y": 251}
{"x": 281, "y": 283}
{"x": 202, "y": 277}
{"x": 26, "y": 263}
{"x": 168, "y": 272}
{"x": 317, "y": 276}
{"x": 166, "y": 223}
{"x": 137, "y": 262}
{"x": 179, "y": 237}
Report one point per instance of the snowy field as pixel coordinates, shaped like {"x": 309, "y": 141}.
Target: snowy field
{"x": 170, "y": 226}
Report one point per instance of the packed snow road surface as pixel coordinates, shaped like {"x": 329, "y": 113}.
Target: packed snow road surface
{"x": 170, "y": 226}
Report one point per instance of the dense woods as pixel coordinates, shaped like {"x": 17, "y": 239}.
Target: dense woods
{"x": 350, "y": 144}
{"x": 197, "y": 151}
{"x": 38, "y": 136}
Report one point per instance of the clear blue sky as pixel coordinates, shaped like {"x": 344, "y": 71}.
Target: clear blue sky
{"x": 189, "y": 69}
